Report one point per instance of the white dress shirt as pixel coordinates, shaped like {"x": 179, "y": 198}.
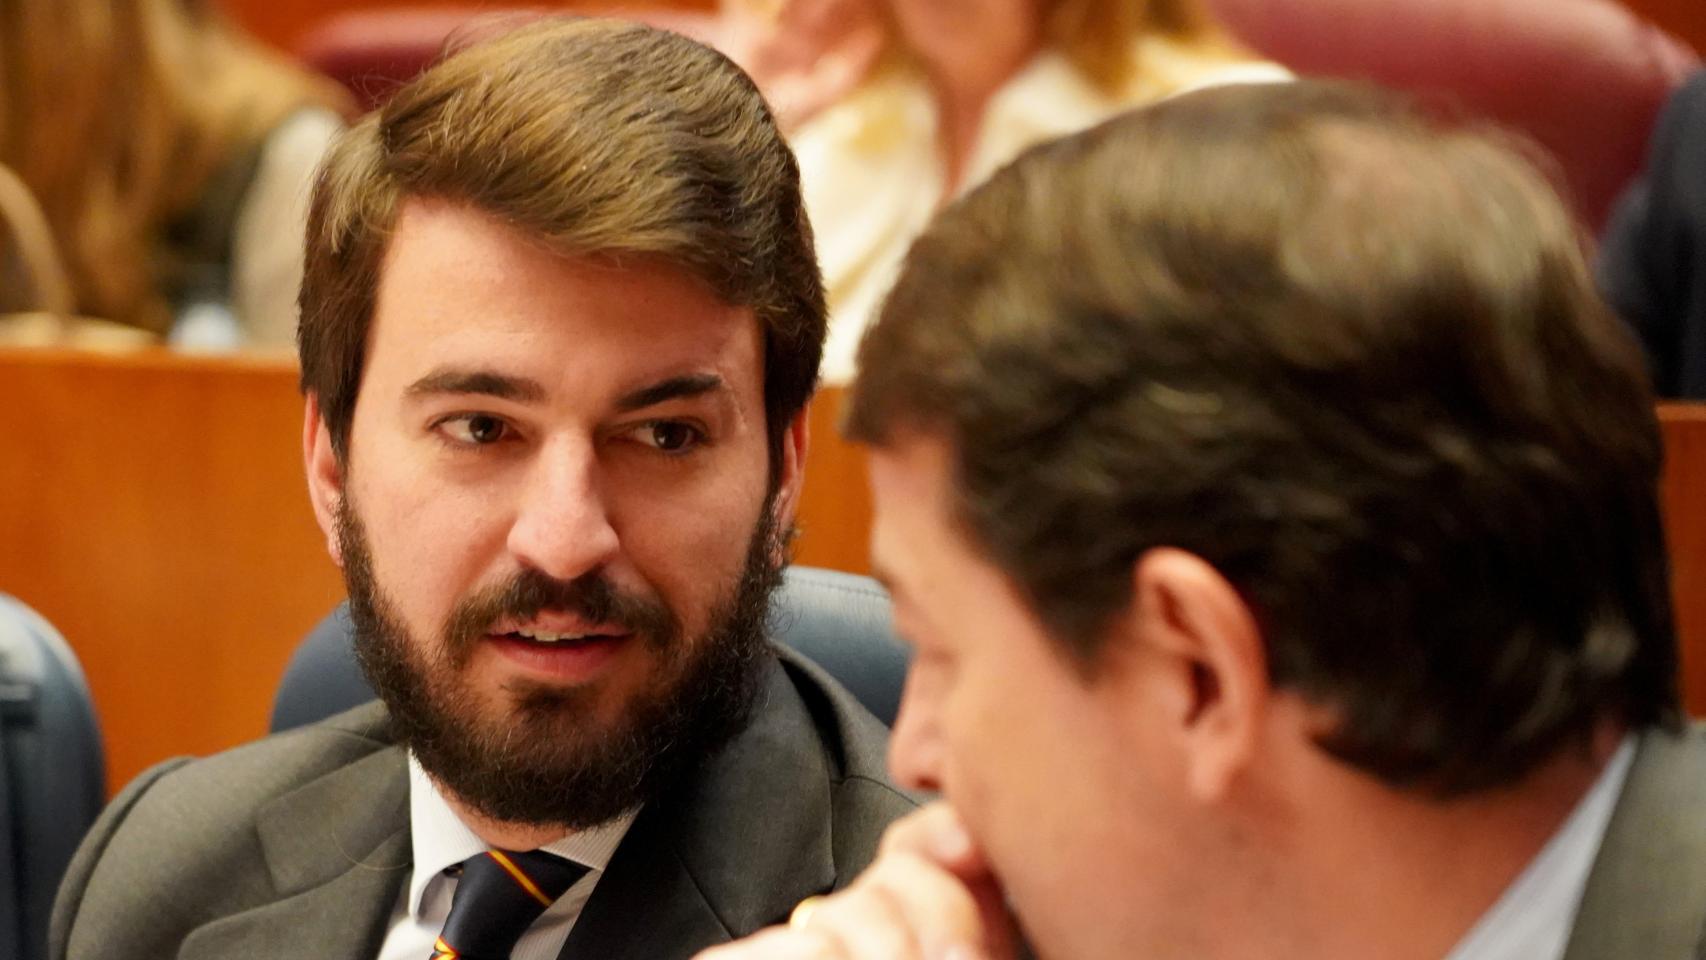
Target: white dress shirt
{"x": 1532, "y": 920}
{"x": 872, "y": 176}
{"x": 440, "y": 840}
{"x": 267, "y": 238}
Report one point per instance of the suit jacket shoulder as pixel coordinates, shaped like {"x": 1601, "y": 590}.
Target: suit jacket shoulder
{"x": 793, "y": 807}
{"x": 194, "y": 853}
{"x": 306, "y": 834}
{"x": 1646, "y": 896}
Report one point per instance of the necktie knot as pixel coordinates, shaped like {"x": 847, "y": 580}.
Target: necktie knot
{"x": 498, "y": 897}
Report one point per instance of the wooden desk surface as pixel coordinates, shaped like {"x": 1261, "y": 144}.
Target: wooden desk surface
{"x": 152, "y": 507}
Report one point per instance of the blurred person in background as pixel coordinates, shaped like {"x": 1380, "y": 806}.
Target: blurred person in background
{"x": 963, "y": 87}
{"x": 804, "y": 54}
{"x": 172, "y": 156}
{"x": 1652, "y": 266}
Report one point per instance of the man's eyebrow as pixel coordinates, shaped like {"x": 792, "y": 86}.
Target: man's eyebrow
{"x": 499, "y": 385}
{"x": 690, "y": 385}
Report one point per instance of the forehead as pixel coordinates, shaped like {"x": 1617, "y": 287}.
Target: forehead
{"x": 948, "y": 591}
{"x": 459, "y": 287}
{"x": 913, "y": 535}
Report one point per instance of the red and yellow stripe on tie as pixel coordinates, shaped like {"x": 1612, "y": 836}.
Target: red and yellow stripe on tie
{"x": 520, "y": 878}
{"x": 443, "y": 951}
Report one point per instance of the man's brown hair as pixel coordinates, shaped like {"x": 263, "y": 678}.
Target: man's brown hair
{"x": 1350, "y": 356}
{"x": 598, "y": 137}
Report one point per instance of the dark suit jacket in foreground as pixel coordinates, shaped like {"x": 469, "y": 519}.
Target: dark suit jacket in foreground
{"x": 1646, "y": 896}
{"x": 1652, "y": 266}
{"x": 298, "y": 845}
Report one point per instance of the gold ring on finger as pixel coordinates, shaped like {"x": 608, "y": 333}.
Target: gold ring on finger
{"x": 802, "y": 913}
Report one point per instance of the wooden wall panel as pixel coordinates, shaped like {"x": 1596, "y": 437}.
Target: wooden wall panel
{"x": 835, "y": 506}
{"x": 153, "y": 508}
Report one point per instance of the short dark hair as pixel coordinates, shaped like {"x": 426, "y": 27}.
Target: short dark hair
{"x": 1348, "y": 354}
{"x": 599, "y": 137}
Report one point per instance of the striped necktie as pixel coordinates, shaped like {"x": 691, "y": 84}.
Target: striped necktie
{"x": 498, "y": 898}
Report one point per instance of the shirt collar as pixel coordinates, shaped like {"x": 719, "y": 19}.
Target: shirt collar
{"x": 1533, "y": 918}
{"x": 440, "y": 839}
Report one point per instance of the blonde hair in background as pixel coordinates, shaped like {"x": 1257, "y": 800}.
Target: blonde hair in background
{"x": 1099, "y": 36}
{"x": 116, "y": 113}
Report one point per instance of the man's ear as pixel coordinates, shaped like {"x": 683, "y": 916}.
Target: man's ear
{"x": 1212, "y": 664}
{"x": 325, "y": 474}
{"x": 791, "y": 472}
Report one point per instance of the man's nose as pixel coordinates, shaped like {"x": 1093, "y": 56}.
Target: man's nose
{"x": 563, "y": 526}
{"x": 915, "y": 744}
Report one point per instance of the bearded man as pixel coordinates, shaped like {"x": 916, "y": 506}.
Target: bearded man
{"x": 560, "y": 321}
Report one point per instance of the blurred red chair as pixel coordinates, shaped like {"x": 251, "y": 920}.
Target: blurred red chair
{"x": 373, "y": 52}
{"x": 1586, "y": 78}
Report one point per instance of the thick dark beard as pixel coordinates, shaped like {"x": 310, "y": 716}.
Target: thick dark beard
{"x": 554, "y": 764}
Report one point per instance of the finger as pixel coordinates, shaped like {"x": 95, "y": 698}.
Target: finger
{"x": 940, "y": 909}
{"x": 936, "y": 833}
{"x": 866, "y": 924}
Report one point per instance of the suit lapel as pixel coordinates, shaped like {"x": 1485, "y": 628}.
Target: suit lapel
{"x": 728, "y": 851}
{"x": 338, "y": 852}
{"x": 1646, "y": 896}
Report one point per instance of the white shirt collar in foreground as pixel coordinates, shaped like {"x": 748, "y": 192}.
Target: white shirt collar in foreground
{"x": 440, "y": 839}
{"x": 1532, "y": 920}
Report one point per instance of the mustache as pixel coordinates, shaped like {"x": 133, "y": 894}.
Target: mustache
{"x": 590, "y": 596}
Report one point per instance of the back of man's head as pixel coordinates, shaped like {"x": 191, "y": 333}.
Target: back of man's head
{"x": 597, "y": 137}
{"x": 1350, "y": 357}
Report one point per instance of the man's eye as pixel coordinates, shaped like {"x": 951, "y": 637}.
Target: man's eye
{"x": 476, "y": 428}
{"x": 670, "y": 436}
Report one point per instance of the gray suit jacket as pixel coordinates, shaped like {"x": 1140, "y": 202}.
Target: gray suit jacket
{"x": 298, "y": 845}
{"x": 1646, "y": 896}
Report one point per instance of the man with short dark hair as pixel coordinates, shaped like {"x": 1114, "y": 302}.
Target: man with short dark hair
{"x": 561, "y": 319}
{"x": 1271, "y": 504}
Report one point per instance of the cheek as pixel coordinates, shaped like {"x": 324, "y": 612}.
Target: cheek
{"x": 1028, "y": 764}
{"x": 997, "y": 755}
{"x": 431, "y": 543}
{"x": 688, "y": 540}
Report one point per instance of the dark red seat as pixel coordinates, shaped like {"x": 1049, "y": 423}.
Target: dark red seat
{"x": 373, "y": 52}
{"x": 1585, "y": 78}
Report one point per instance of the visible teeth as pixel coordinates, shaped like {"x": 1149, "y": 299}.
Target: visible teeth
{"x": 541, "y": 636}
